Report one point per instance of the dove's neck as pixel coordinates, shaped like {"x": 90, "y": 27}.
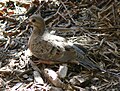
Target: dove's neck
{"x": 38, "y": 31}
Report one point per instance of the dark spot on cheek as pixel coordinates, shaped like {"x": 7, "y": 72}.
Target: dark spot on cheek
{"x": 33, "y": 20}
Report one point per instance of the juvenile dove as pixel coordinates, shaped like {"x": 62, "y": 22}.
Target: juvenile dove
{"x": 50, "y": 47}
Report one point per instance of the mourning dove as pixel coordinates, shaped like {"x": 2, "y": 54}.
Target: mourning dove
{"x": 50, "y": 47}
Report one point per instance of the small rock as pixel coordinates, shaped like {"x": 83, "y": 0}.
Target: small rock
{"x": 53, "y": 78}
{"x": 62, "y": 72}
{"x": 25, "y": 76}
{"x": 38, "y": 78}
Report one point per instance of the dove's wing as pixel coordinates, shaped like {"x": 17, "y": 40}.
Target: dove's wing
{"x": 56, "y": 48}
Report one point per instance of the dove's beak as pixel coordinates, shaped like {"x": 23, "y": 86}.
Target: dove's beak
{"x": 30, "y": 21}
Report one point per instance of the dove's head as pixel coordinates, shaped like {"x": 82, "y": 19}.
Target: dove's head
{"x": 37, "y": 21}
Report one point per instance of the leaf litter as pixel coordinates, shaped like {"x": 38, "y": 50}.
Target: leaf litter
{"x": 93, "y": 24}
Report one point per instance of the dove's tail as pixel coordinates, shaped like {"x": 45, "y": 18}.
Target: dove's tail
{"x": 84, "y": 60}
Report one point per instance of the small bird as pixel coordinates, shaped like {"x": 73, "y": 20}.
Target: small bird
{"x": 50, "y": 47}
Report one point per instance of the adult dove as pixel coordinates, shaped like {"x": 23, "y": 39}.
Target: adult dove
{"x": 49, "y": 47}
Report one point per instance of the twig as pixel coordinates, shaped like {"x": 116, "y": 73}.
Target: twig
{"x": 8, "y": 19}
{"x": 8, "y": 42}
{"x": 19, "y": 75}
{"x": 27, "y": 27}
{"x": 68, "y": 13}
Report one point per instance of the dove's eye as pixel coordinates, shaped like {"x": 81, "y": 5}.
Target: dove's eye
{"x": 33, "y": 20}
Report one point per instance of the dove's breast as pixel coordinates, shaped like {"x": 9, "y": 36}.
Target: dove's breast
{"x": 45, "y": 49}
